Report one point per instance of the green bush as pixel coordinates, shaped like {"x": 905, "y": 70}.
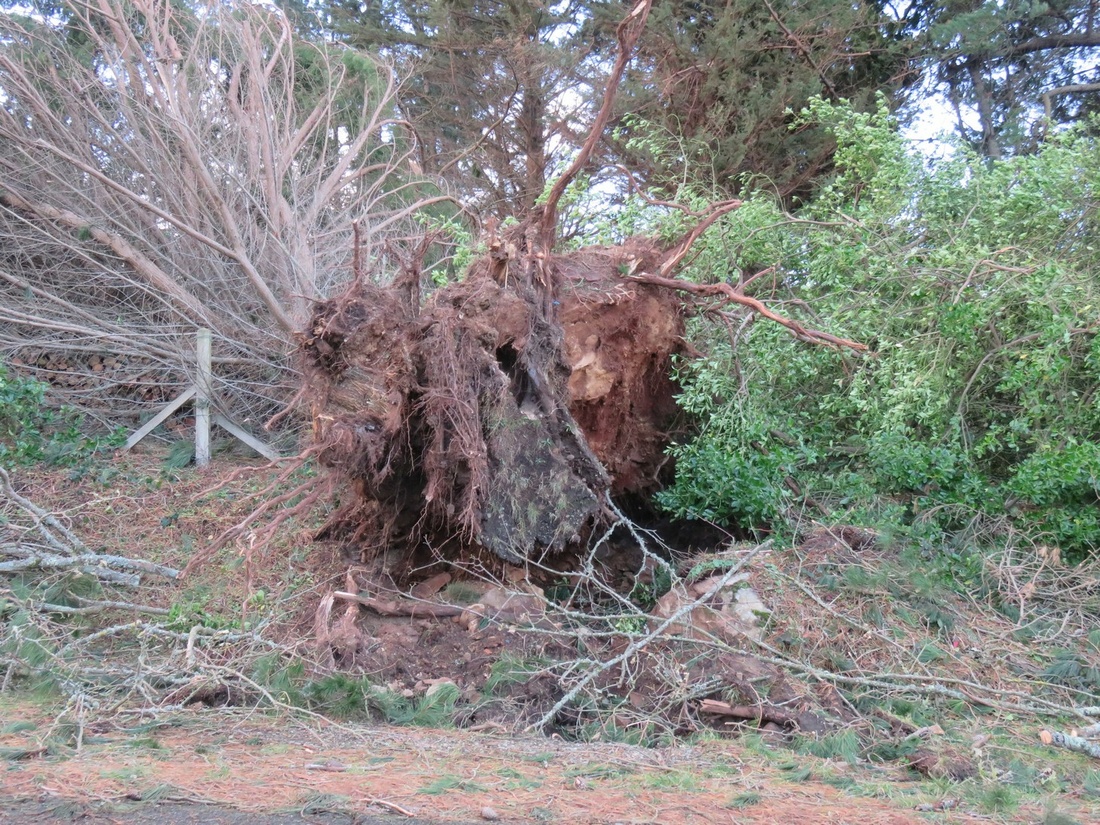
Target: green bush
{"x": 974, "y": 285}
{"x": 32, "y": 431}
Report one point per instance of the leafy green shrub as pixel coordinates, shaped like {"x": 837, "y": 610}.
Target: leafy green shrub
{"x": 973, "y": 284}
{"x": 31, "y": 431}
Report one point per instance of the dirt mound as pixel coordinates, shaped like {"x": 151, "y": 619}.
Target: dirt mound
{"x": 496, "y": 414}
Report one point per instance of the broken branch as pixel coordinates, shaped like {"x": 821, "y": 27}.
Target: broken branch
{"x": 1070, "y": 742}
{"x": 730, "y": 294}
{"x": 402, "y": 608}
{"x": 760, "y": 713}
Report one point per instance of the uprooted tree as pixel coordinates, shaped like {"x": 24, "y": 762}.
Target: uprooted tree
{"x": 506, "y": 410}
{"x": 167, "y": 167}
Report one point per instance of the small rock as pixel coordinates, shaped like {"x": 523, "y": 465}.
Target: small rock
{"x": 490, "y": 814}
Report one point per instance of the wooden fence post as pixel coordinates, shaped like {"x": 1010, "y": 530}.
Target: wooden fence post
{"x": 202, "y": 391}
{"x": 202, "y": 399}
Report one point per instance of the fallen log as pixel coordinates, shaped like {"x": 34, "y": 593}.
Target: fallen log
{"x": 761, "y": 714}
{"x": 1069, "y": 742}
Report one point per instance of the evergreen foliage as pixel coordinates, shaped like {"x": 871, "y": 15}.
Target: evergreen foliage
{"x": 489, "y": 86}
{"x": 721, "y": 79}
{"x": 1009, "y": 66}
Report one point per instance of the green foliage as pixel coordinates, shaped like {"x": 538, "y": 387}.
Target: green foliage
{"x": 719, "y": 81}
{"x": 510, "y": 669}
{"x": 973, "y": 283}
{"x": 840, "y": 745}
{"x": 745, "y": 800}
{"x": 32, "y": 431}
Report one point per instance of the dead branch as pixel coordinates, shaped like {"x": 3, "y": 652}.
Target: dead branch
{"x": 105, "y": 567}
{"x": 728, "y": 293}
{"x": 63, "y": 550}
{"x": 89, "y": 607}
{"x": 761, "y": 714}
{"x": 187, "y": 180}
{"x": 595, "y": 669}
{"x": 42, "y": 520}
{"x": 628, "y": 32}
{"x": 402, "y": 607}
{"x": 1070, "y": 742}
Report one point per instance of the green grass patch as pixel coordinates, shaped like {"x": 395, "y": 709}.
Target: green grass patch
{"x": 841, "y": 745}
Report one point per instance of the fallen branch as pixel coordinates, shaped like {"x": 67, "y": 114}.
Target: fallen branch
{"x": 640, "y": 642}
{"x": 391, "y": 806}
{"x": 106, "y": 568}
{"x": 402, "y": 608}
{"x": 728, "y": 293}
{"x": 42, "y": 519}
{"x": 761, "y": 714}
{"x": 1069, "y": 742}
{"x": 90, "y": 607}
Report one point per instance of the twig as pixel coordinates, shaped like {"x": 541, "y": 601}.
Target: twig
{"x": 640, "y": 642}
{"x": 392, "y": 806}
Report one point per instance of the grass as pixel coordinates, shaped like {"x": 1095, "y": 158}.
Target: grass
{"x": 17, "y": 727}
{"x": 672, "y": 781}
{"x": 996, "y": 798}
{"x": 543, "y": 758}
{"x": 841, "y": 745}
{"x": 517, "y": 781}
{"x": 794, "y": 772}
{"x": 323, "y": 803}
{"x": 596, "y": 772}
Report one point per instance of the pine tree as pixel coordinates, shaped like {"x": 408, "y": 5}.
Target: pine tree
{"x": 1013, "y": 67}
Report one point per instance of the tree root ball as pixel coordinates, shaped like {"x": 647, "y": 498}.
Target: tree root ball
{"x": 504, "y": 409}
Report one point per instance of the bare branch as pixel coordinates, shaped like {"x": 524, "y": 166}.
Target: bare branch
{"x": 187, "y": 176}
{"x": 730, "y": 294}
{"x": 628, "y": 33}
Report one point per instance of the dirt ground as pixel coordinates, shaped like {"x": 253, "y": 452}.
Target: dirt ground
{"x": 233, "y": 765}
{"x": 237, "y": 767}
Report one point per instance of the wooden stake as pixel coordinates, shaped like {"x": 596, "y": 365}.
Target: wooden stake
{"x": 202, "y": 399}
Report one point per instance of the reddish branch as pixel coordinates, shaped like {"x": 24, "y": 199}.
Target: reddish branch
{"x": 628, "y": 33}
{"x": 730, "y": 293}
{"x": 308, "y": 494}
{"x": 676, "y": 253}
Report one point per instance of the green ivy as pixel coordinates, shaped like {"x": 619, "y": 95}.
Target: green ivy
{"x": 33, "y": 431}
